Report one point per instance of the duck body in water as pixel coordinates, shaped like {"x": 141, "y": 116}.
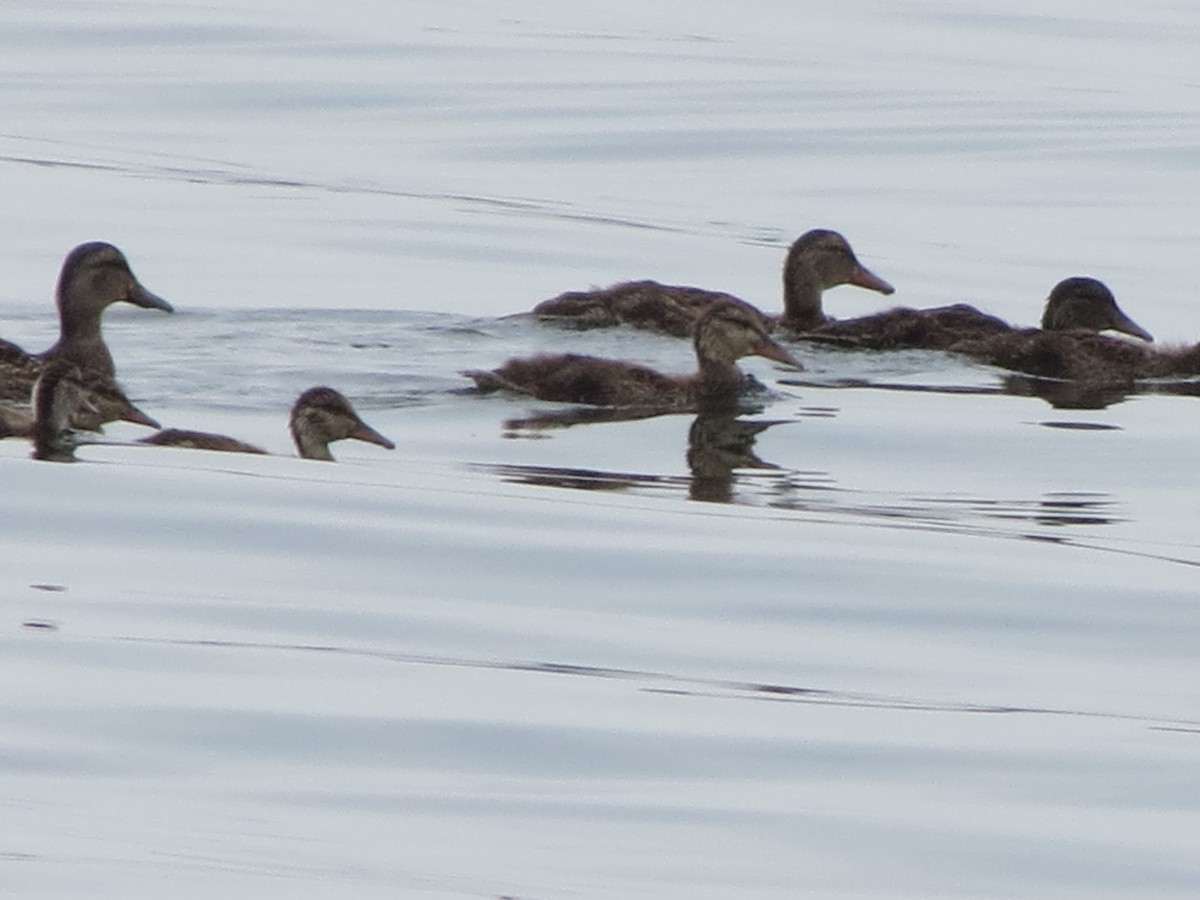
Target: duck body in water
{"x": 1077, "y": 303}
{"x": 1083, "y": 356}
{"x": 93, "y": 277}
{"x": 1069, "y": 347}
{"x": 817, "y": 260}
{"x": 319, "y": 417}
{"x": 727, "y": 331}
{"x": 62, "y": 392}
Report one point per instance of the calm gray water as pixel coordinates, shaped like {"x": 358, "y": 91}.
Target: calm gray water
{"x": 927, "y": 634}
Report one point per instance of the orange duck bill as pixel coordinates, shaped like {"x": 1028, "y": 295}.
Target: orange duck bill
{"x": 771, "y": 350}
{"x": 864, "y": 278}
{"x": 364, "y": 432}
{"x": 137, "y": 417}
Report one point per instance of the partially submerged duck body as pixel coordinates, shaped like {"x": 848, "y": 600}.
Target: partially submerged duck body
{"x": 61, "y": 394}
{"x": 725, "y": 332}
{"x": 1069, "y": 346}
{"x": 93, "y": 277}
{"x": 667, "y": 308}
{"x": 817, "y": 260}
{"x": 1077, "y": 303}
{"x": 904, "y": 328}
{"x": 319, "y": 417}
{"x": 199, "y": 440}
{"x": 1082, "y": 356}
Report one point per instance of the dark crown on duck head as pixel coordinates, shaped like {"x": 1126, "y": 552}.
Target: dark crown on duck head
{"x": 96, "y": 274}
{"x": 817, "y": 260}
{"x": 830, "y": 256}
{"x": 1082, "y": 302}
{"x": 729, "y": 330}
{"x": 321, "y": 416}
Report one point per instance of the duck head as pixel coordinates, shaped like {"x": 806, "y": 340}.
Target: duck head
{"x": 95, "y": 275}
{"x": 321, "y": 416}
{"x": 820, "y": 259}
{"x": 1087, "y": 303}
{"x": 729, "y": 330}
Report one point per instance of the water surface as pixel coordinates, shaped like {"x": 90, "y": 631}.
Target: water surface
{"x": 907, "y": 628}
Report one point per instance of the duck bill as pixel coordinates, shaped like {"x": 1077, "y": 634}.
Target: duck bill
{"x": 771, "y": 350}
{"x": 864, "y": 278}
{"x": 137, "y": 417}
{"x": 1126, "y": 325}
{"x": 148, "y": 300}
{"x": 364, "y": 432}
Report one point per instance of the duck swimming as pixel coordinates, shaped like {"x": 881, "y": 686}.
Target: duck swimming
{"x": 1088, "y": 304}
{"x": 62, "y": 391}
{"x": 1074, "y": 303}
{"x": 1082, "y": 356}
{"x": 93, "y": 277}
{"x": 319, "y": 417}
{"x": 1069, "y": 347}
{"x": 817, "y": 260}
{"x": 725, "y": 332}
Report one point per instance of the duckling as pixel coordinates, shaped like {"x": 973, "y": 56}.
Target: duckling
{"x": 319, "y": 417}
{"x": 819, "y": 259}
{"x": 1069, "y": 348}
{"x": 1074, "y": 303}
{"x": 1082, "y": 356}
{"x": 94, "y": 276}
{"x": 1087, "y": 303}
{"x": 60, "y": 393}
{"x": 727, "y": 331}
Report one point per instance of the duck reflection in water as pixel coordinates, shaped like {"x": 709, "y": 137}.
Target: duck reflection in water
{"x": 719, "y": 444}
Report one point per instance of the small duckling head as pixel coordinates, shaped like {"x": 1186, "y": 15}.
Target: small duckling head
{"x": 321, "y": 416}
{"x": 829, "y": 255}
{"x": 95, "y": 275}
{"x": 1087, "y": 303}
{"x": 729, "y": 330}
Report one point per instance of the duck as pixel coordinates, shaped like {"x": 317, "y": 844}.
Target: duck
{"x": 725, "y": 332}
{"x": 320, "y": 416}
{"x": 1088, "y": 303}
{"x": 93, "y": 277}
{"x": 817, "y": 260}
{"x": 1082, "y": 356}
{"x": 1070, "y": 347}
{"x": 61, "y": 391}
{"x": 1078, "y": 302}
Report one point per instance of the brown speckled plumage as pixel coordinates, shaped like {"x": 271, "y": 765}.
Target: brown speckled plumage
{"x": 726, "y": 332}
{"x": 1068, "y": 347}
{"x": 93, "y": 277}
{"x": 1074, "y": 303}
{"x": 62, "y": 395}
{"x": 819, "y": 259}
